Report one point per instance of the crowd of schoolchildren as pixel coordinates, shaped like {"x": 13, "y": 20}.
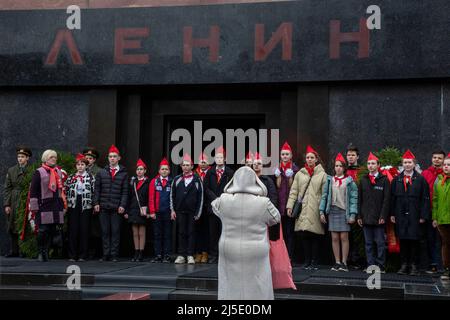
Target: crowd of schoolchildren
{"x": 311, "y": 203}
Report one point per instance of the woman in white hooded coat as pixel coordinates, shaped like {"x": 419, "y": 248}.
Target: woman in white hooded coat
{"x": 245, "y": 212}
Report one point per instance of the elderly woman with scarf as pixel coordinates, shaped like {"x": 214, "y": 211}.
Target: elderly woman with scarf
{"x": 47, "y": 201}
{"x": 245, "y": 213}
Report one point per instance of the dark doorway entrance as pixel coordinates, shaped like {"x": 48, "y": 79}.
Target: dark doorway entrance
{"x": 219, "y": 122}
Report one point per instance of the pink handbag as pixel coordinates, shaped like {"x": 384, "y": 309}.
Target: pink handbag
{"x": 280, "y": 264}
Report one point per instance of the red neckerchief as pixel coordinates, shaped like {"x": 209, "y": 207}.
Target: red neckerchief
{"x": 372, "y": 179}
{"x": 445, "y": 177}
{"x": 310, "y": 170}
{"x": 407, "y": 180}
{"x": 286, "y": 166}
{"x": 55, "y": 180}
{"x": 79, "y": 176}
{"x": 140, "y": 183}
{"x": 339, "y": 180}
{"x": 219, "y": 173}
{"x": 163, "y": 181}
{"x": 188, "y": 176}
{"x": 113, "y": 172}
{"x": 202, "y": 173}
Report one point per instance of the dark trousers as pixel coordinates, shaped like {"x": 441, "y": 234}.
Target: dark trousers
{"x": 434, "y": 246}
{"x": 375, "y": 234}
{"x": 202, "y": 233}
{"x": 409, "y": 251}
{"x": 78, "y": 225}
{"x": 14, "y": 243}
{"x": 95, "y": 237}
{"x": 44, "y": 237}
{"x": 163, "y": 235}
{"x": 110, "y": 222}
{"x": 355, "y": 257}
{"x": 215, "y": 230}
{"x": 186, "y": 233}
{"x": 288, "y": 224}
{"x": 444, "y": 230}
{"x": 311, "y": 246}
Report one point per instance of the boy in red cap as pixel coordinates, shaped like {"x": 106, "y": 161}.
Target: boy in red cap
{"x": 373, "y": 211}
{"x": 186, "y": 203}
{"x": 136, "y": 213}
{"x": 215, "y": 181}
{"x": 410, "y": 209}
{"x": 284, "y": 178}
{"x": 110, "y": 201}
{"x": 159, "y": 205}
{"x": 201, "y": 226}
{"x": 79, "y": 192}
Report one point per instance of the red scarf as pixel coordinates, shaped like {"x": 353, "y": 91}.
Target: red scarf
{"x": 445, "y": 177}
{"x": 55, "y": 181}
{"x": 113, "y": 172}
{"x": 219, "y": 173}
{"x": 286, "y": 166}
{"x": 140, "y": 183}
{"x": 310, "y": 170}
{"x": 163, "y": 181}
{"x": 339, "y": 180}
{"x": 372, "y": 179}
{"x": 202, "y": 173}
{"x": 407, "y": 180}
{"x": 188, "y": 176}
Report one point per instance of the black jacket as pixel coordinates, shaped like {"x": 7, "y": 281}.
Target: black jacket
{"x": 111, "y": 194}
{"x": 272, "y": 194}
{"x": 410, "y": 206}
{"x": 373, "y": 200}
{"x": 186, "y": 199}
{"x": 213, "y": 189}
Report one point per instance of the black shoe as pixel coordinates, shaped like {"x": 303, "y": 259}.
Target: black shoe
{"x": 104, "y": 258}
{"x": 382, "y": 269}
{"x": 403, "y": 269}
{"x": 414, "y": 271}
{"x": 306, "y": 266}
{"x": 313, "y": 266}
{"x": 136, "y": 255}
{"x": 212, "y": 259}
{"x": 432, "y": 270}
{"x": 343, "y": 267}
{"x": 336, "y": 266}
{"x": 140, "y": 256}
{"x": 114, "y": 259}
{"x": 11, "y": 255}
{"x": 166, "y": 259}
{"x": 157, "y": 259}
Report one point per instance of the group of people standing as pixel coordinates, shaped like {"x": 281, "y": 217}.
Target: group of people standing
{"x": 308, "y": 200}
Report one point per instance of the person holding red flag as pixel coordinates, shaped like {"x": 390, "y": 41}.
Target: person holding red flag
{"x": 80, "y": 191}
{"x": 159, "y": 206}
{"x": 307, "y": 189}
{"x": 137, "y": 211}
{"x": 340, "y": 203}
{"x": 186, "y": 203}
{"x": 373, "y": 211}
{"x": 410, "y": 209}
{"x": 110, "y": 201}
{"x": 284, "y": 178}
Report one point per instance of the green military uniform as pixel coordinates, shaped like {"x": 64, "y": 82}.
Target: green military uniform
{"x": 93, "y": 170}
{"x": 12, "y": 190}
